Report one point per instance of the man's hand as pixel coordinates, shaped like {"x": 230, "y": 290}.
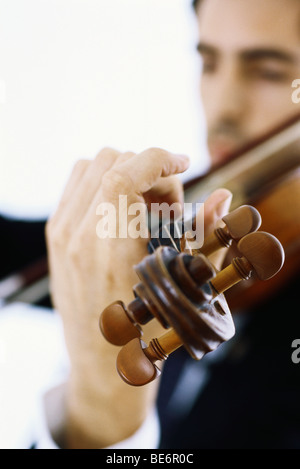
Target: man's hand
{"x": 88, "y": 273}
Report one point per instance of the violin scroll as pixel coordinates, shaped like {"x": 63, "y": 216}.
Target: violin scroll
{"x": 184, "y": 293}
{"x": 120, "y": 324}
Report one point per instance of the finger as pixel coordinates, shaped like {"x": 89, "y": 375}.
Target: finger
{"x": 133, "y": 178}
{"x": 215, "y": 207}
{"x": 169, "y": 190}
{"x": 88, "y": 185}
{"x": 123, "y": 157}
{"x": 142, "y": 172}
{"x": 74, "y": 180}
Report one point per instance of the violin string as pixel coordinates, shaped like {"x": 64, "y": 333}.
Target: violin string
{"x": 170, "y": 237}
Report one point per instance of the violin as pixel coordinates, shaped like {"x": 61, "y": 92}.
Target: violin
{"x": 264, "y": 175}
{"x": 182, "y": 290}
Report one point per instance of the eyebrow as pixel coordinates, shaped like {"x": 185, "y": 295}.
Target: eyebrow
{"x": 268, "y": 54}
{"x": 252, "y": 55}
{"x": 203, "y": 48}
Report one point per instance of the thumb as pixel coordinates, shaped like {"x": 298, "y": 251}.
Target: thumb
{"x": 216, "y": 207}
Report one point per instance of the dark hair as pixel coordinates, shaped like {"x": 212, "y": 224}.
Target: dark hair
{"x": 195, "y": 4}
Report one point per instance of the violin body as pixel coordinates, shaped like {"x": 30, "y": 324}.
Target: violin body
{"x": 280, "y": 211}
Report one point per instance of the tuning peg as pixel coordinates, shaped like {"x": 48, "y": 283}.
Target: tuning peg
{"x": 136, "y": 361}
{"x": 210, "y": 327}
{"x": 238, "y": 223}
{"x": 117, "y": 326}
{"x": 262, "y": 255}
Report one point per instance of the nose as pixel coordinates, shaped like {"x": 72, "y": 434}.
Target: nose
{"x": 226, "y": 98}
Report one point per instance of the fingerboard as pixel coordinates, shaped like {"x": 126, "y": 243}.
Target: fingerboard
{"x": 167, "y": 235}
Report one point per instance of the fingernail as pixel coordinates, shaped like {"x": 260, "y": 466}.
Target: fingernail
{"x": 223, "y": 206}
{"x": 184, "y": 158}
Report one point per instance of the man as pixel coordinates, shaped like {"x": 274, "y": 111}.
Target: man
{"x": 251, "y": 55}
{"x": 250, "y": 59}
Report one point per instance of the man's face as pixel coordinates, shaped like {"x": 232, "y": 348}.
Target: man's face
{"x": 251, "y": 55}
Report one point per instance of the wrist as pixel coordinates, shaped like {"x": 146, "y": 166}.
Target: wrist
{"x": 100, "y": 417}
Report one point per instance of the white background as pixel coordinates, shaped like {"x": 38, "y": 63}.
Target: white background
{"x": 77, "y": 75}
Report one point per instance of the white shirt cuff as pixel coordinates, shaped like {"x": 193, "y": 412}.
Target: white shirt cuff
{"x": 52, "y": 417}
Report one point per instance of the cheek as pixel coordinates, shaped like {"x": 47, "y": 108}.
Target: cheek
{"x": 209, "y": 94}
{"x": 274, "y": 96}
{"x": 271, "y": 105}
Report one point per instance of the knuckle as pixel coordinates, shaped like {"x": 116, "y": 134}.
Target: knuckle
{"x": 74, "y": 251}
{"x": 158, "y": 152}
{"x": 54, "y": 239}
{"x": 124, "y": 157}
{"x": 115, "y": 182}
{"x": 80, "y": 165}
{"x": 127, "y": 155}
{"x": 49, "y": 228}
{"x": 50, "y": 234}
{"x": 58, "y": 236}
{"x": 107, "y": 152}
